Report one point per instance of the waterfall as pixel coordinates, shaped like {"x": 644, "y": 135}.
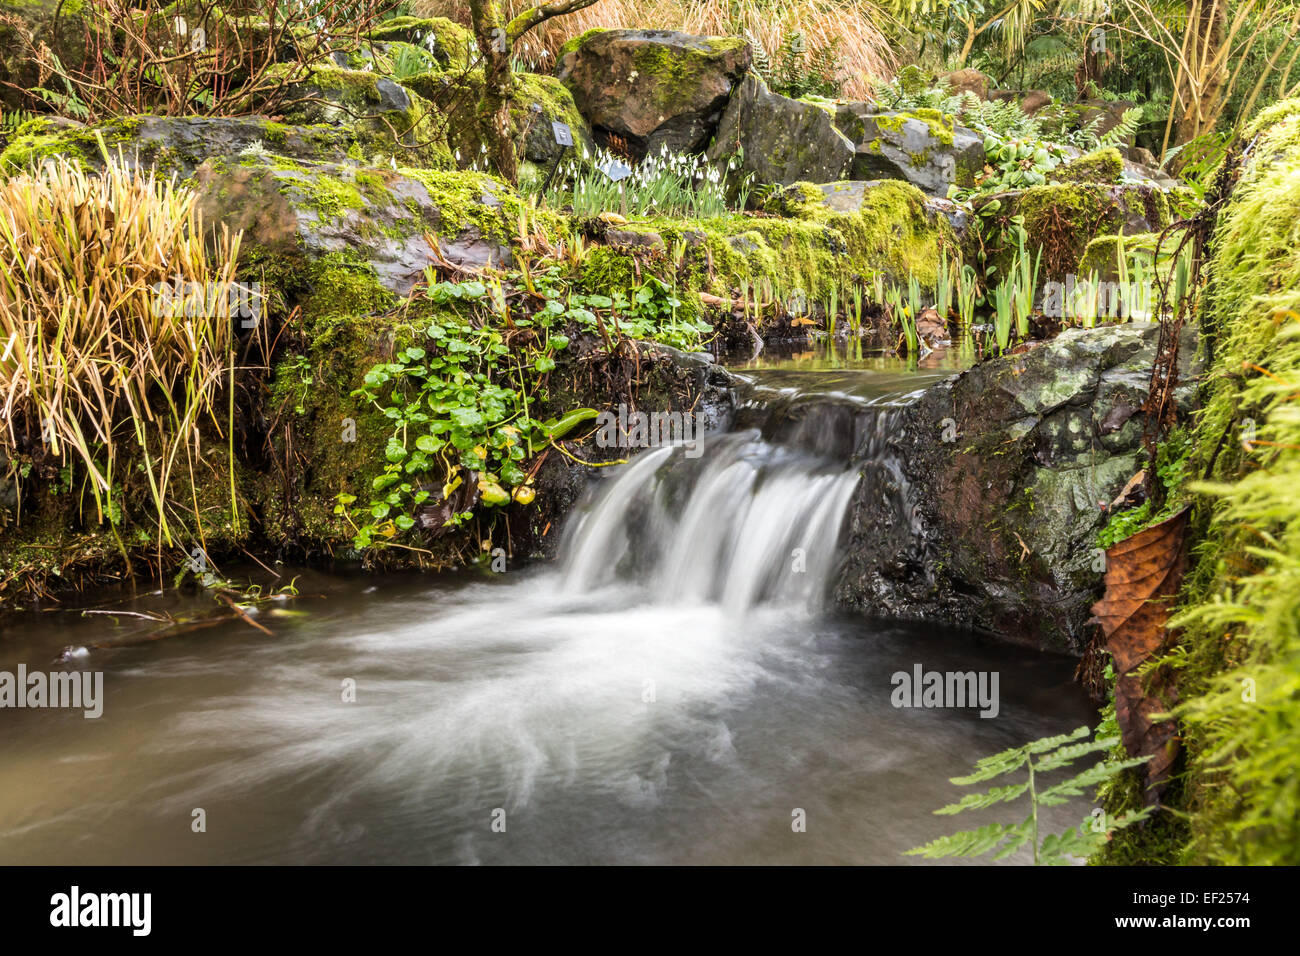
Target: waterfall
{"x": 752, "y": 520}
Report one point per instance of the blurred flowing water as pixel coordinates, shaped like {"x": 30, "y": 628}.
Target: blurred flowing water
{"x": 675, "y": 690}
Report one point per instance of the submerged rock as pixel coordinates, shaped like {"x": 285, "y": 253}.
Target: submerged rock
{"x": 984, "y": 507}
{"x": 653, "y": 88}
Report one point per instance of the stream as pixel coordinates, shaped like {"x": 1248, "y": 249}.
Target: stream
{"x": 675, "y": 689}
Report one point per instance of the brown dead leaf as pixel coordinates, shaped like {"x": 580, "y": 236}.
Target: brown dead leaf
{"x": 930, "y": 327}
{"x": 1143, "y": 573}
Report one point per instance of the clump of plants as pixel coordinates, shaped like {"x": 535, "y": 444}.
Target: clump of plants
{"x": 663, "y": 184}
{"x": 116, "y": 329}
{"x": 461, "y": 391}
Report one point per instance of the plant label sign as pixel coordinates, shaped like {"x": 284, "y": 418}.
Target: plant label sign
{"x": 563, "y": 135}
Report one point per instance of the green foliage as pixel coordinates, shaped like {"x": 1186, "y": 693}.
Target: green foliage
{"x": 794, "y": 70}
{"x": 912, "y": 90}
{"x": 1035, "y": 759}
{"x": 460, "y": 390}
{"x": 1238, "y": 663}
{"x": 459, "y": 400}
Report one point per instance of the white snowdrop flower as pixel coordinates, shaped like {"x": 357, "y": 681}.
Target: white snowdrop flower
{"x": 458, "y": 155}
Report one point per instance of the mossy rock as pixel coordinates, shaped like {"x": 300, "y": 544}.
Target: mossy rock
{"x": 537, "y": 102}
{"x": 653, "y": 89}
{"x": 889, "y": 232}
{"x": 1062, "y": 218}
{"x": 450, "y": 44}
{"x": 922, "y": 147}
{"x": 778, "y": 140}
{"x": 1103, "y": 165}
{"x": 294, "y": 214}
{"x": 1102, "y": 256}
{"x": 170, "y": 144}
{"x": 390, "y": 122}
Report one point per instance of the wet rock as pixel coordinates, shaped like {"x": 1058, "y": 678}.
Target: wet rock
{"x": 850, "y": 196}
{"x": 653, "y": 88}
{"x": 1002, "y": 477}
{"x": 782, "y": 140}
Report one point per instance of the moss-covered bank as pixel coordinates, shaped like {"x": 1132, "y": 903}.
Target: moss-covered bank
{"x": 1236, "y": 797}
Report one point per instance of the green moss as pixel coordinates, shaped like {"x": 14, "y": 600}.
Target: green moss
{"x": 1063, "y": 218}
{"x": 809, "y": 251}
{"x": 940, "y": 126}
{"x": 578, "y": 41}
{"x": 1238, "y": 617}
{"x": 678, "y": 71}
{"x": 1100, "y": 166}
{"x": 448, "y": 42}
{"x": 353, "y": 99}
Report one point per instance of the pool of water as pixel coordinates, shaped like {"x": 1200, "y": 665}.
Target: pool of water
{"x": 675, "y": 690}
{"x": 604, "y": 728}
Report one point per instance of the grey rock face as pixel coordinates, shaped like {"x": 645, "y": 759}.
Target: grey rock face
{"x": 926, "y": 153}
{"x": 784, "y": 141}
{"x": 1000, "y": 478}
{"x": 290, "y": 210}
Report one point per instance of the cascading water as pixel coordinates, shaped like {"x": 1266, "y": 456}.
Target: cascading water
{"x": 670, "y": 693}
{"x": 746, "y": 523}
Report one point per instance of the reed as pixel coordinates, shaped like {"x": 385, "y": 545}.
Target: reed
{"x": 115, "y": 325}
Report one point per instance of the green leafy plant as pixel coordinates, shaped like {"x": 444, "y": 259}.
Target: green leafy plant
{"x": 1004, "y": 310}
{"x": 1035, "y": 759}
{"x": 459, "y": 401}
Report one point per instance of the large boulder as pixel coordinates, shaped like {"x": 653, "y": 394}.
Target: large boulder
{"x": 779, "y": 140}
{"x": 922, "y": 147}
{"x": 374, "y": 222}
{"x": 653, "y": 88}
{"x": 983, "y": 503}
{"x": 855, "y": 196}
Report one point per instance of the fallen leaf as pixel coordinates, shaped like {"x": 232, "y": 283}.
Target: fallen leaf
{"x": 1143, "y": 573}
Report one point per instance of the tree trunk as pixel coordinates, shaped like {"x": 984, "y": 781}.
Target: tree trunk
{"x": 1200, "y": 87}
{"x": 493, "y": 110}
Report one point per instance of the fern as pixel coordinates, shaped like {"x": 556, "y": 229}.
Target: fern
{"x": 1125, "y": 128}
{"x": 762, "y": 63}
{"x": 1035, "y": 758}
